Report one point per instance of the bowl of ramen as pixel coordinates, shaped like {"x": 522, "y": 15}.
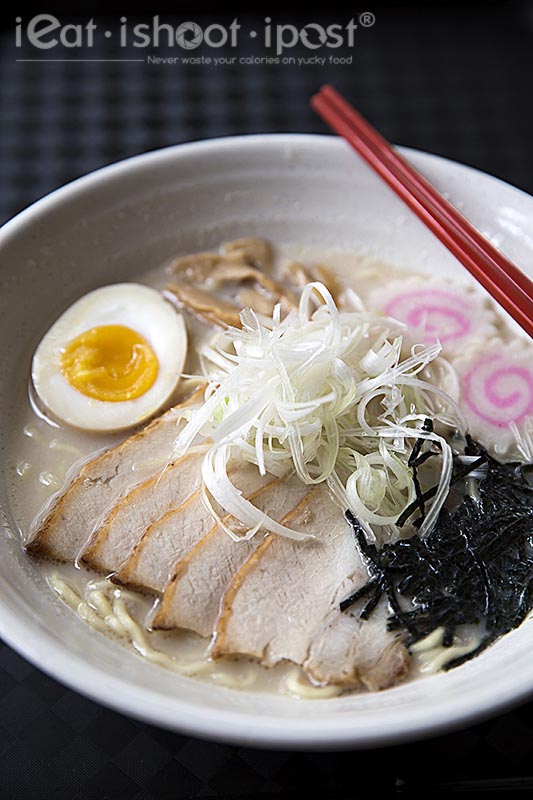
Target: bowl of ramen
{"x": 266, "y": 447}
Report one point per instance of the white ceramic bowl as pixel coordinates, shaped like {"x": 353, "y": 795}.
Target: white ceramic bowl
{"x": 122, "y": 220}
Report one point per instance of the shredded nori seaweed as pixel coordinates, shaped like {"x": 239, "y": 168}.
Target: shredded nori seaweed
{"x": 415, "y": 460}
{"x": 475, "y": 567}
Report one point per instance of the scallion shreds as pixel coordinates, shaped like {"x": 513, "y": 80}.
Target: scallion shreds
{"x": 328, "y": 395}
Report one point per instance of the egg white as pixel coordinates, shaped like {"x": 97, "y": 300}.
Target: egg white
{"x": 130, "y": 304}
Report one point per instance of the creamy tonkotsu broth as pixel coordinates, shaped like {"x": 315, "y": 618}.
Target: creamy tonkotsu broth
{"x": 47, "y": 454}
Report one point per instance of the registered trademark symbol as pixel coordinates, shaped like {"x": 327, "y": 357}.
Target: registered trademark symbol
{"x": 367, "y": 19}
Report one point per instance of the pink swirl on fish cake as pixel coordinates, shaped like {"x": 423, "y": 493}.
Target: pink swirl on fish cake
{"x": 499, "y": 391}
{"x": 440, "y": 314}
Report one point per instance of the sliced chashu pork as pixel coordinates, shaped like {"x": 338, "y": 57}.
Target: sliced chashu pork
{"x": 348, "y": 650}
{"x": 76, "y": 512}
{"x": 123, "y": 528}
{"x": 283, "y": 605}
{"x": 192, "y": 599}
{"x": 168, "y": 540}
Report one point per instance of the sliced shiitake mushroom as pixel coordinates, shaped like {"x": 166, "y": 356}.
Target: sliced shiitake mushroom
{"x": 203, "y": 304}
{"x": 261, "y": 303}
{"x": 325, "y": 275}
{"x": 254, "y": 251}
{"x": 242, "y": 270}
{"x": 242, "y": 273}
{"x": 198, "y": 267}
{"x": 298, "y": 275}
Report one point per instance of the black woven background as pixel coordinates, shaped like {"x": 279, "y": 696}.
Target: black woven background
{"x": 455, "y": 82}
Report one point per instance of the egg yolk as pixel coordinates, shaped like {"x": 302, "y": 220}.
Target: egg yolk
{"x": 111, "y": 363}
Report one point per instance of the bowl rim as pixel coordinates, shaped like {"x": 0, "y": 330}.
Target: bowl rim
{"x": 85, "y": 181}
{"x": 234, "y": 726}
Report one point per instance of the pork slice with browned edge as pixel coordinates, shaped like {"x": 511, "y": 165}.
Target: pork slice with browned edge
{"x": 169, "y": 539}
{"x": 192, "y": 599}
{"x": 75, "y": 513}
{"x": 284, "y": 605}
{"x": 125, "y": 525}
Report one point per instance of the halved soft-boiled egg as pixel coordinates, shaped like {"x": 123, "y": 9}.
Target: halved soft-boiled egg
{"x": 112, "y": 359}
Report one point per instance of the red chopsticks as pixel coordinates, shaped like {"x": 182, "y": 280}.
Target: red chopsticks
{"x": 510, "y": 287}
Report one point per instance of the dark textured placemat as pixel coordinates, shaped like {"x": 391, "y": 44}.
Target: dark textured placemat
{"x": 456, "y": 83}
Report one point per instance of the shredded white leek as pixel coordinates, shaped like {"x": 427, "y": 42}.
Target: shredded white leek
{"x": 330, "y": 396}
